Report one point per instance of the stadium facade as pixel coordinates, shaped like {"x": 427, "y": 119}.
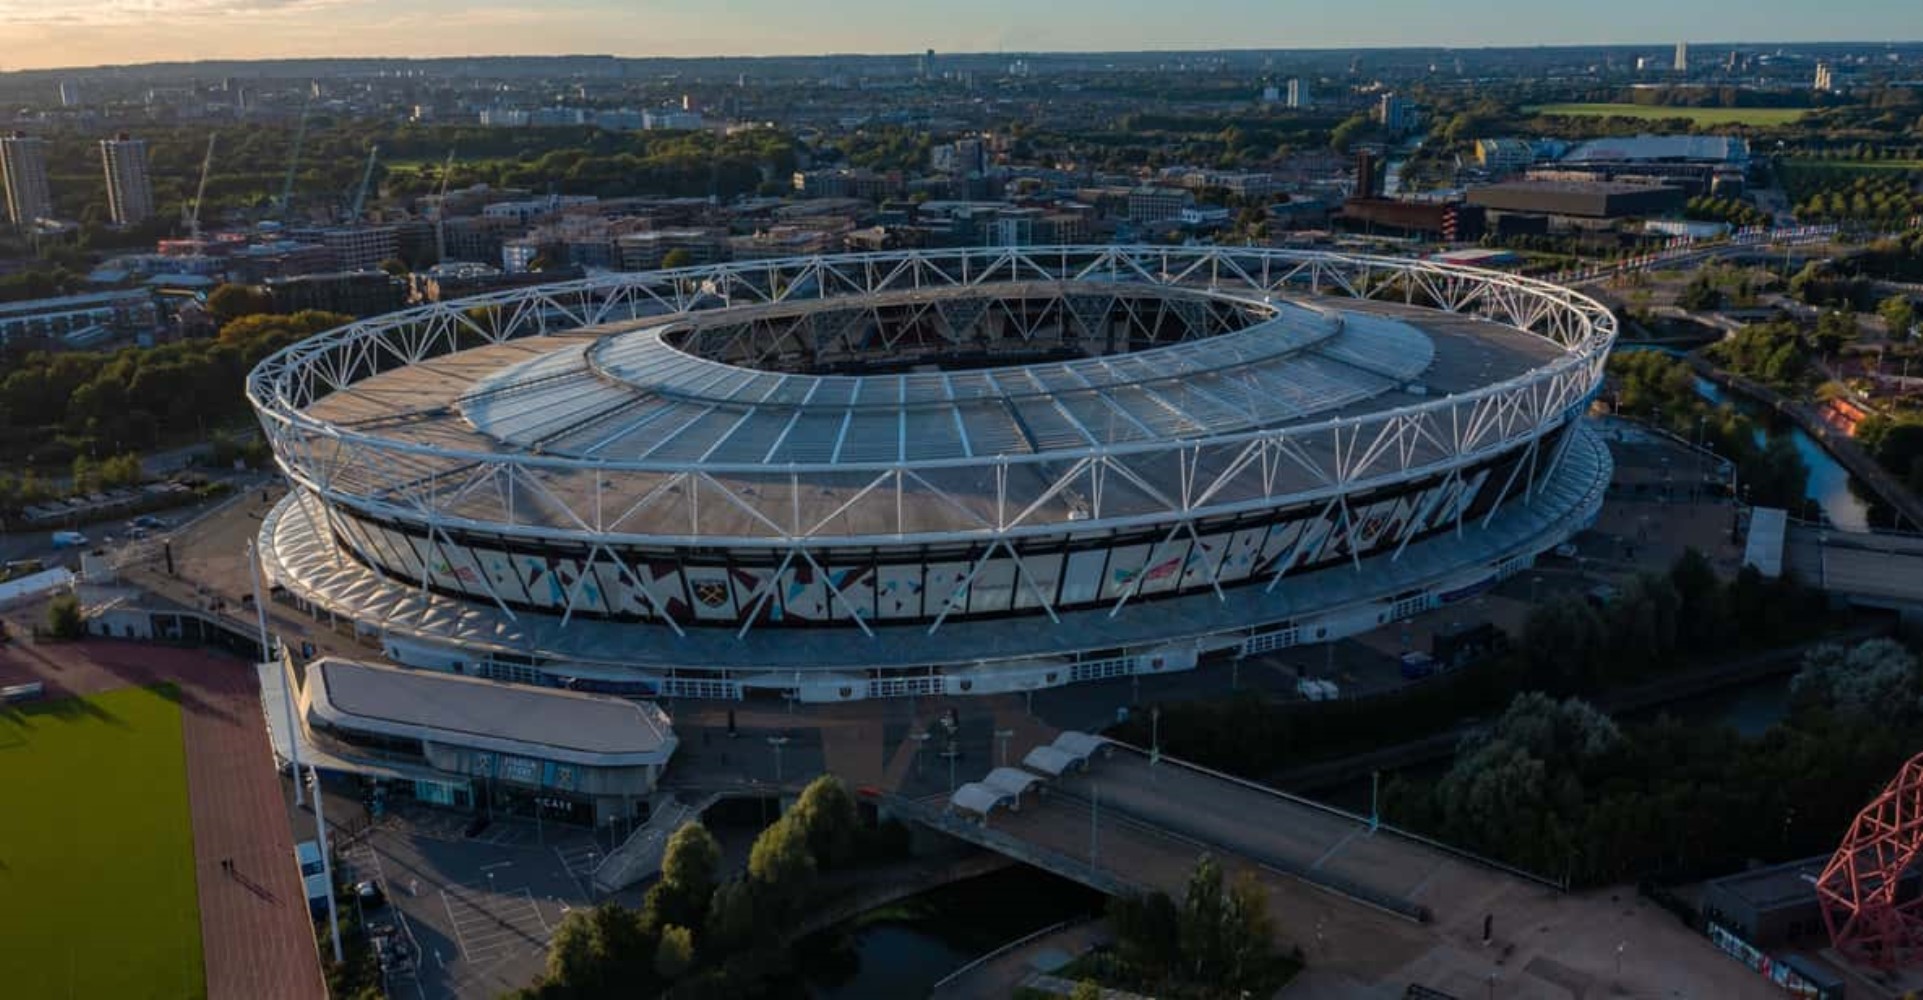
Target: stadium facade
{"x": 957, "y": 471}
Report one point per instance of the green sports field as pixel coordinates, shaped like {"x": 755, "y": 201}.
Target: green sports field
{"x": 1701, "y": 116}
{"x": 97, "y": 893}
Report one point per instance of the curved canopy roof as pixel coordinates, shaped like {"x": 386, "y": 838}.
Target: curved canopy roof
{"x": 635, "y": 393}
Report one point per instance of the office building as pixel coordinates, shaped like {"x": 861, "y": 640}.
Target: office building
{"x": 1502, "y": 156}
{"x": 23, "y": 172}
{"x": 1825, "y": 80}
{"x": 353, "y": 293}
{"x": 130, "y": 191}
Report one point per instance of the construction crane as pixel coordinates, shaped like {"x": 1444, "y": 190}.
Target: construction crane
{"x": 440, "y": 211}
{"x": 293, "y": 165}
{"x": 200, "y": 193}
{"x": 367, "y": 177}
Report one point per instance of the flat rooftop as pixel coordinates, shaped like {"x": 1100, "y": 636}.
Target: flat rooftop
{"x": 569, "y": 726}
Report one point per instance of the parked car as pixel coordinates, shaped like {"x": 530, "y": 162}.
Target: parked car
{"x": 370, "y": 895}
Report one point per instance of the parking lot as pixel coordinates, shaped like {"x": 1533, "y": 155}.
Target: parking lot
{"x": 478, "y": 911}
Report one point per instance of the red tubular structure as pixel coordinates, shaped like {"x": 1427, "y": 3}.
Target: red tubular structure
{"x": 1870, "y": 919}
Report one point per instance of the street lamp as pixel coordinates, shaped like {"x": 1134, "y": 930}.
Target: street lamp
{"x": 921, "y": 740}
{"x": 327, "y": 859}
{"x": 1002, "y": 737}
{"x": 777, "y": 742}
{"x": 1155, "y": 735}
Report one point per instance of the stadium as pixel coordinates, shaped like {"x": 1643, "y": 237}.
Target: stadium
{"x": 960, "y": 471}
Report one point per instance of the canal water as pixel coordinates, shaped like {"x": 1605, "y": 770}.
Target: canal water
{"x": 904, "y": 949}
{"x": 1830, "y": 485}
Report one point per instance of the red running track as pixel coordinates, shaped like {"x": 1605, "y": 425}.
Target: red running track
{"x": 257, "y": 939}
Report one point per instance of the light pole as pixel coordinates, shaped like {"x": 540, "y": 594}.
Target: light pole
{"x": 286, "y": 675}
{"x": 1155, "y": 735}
{"x": 1002, "y": 737}
{"x": 1094, "y": 824}
{"x": 327, "y": 859}
{"x": 921, "y": 741}
{"x": 1375, "y": 801}
{"x": 777, "y": 742}
{"x": 951, "y": 753}
{"x": 1619, "y": 959}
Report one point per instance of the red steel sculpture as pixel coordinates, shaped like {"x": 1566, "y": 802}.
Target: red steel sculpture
{"x": 1869, "y": 919}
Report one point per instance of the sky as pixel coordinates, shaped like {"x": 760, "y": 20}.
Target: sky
{"x": 54, "y": 33}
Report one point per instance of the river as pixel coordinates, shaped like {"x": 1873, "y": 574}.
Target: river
{"x": 904, "y": 949}
{"x": 1830, "y": 485}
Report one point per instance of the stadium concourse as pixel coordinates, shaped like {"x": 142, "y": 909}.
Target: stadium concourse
{"x": 953, "y": 472}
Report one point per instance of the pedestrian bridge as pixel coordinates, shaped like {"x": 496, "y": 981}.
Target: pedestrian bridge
{"x": 1128, "y": 821}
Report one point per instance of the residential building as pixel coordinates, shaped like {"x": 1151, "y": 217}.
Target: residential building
{"x": 1299, "y": 93}
{"x": 1682, "y": 57}
{"x": 130, "y": 191}
{"x": 23, "y": 172}
{"x": 1157, "y": 204}
{"x": 782, "y": 241}
{"x": 670, "y": 119}
{"x": 69, "y": 94}
{"x": 863, "y": 184}
{"x": 1825, "y": 78}
{"x": 358, "y": 248}
{"x": 355, "y": 293}
{"x": 648, "y": 251}
{"x": 1395, "y": 113}
{"x": 80, "y": 320}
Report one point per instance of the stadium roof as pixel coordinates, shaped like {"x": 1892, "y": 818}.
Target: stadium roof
{"x": 635, "y": 394}
{"x": 1650, "y": 148}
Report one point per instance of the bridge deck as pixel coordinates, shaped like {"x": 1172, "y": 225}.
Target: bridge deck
{"x": 1349, "y": 897}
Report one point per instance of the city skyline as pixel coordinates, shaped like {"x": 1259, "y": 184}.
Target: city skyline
{"x": 118, "y": 32}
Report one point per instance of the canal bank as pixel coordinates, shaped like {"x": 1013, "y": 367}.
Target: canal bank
{"x": 905, "y": 948}
{"x": 1822, "y": 448}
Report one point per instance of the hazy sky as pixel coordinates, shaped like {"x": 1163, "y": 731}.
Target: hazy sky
{"x": 43, "y": 33}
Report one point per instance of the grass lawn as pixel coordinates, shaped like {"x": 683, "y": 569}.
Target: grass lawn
{"x": 97, "y": 892}
{"x": 1701, "y": 116}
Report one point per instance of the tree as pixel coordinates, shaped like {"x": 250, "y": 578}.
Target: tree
{"x": 1899, "y": 315}
{"x": 675, "y": 954}
{"x": 1248, "y": 931}
{"x": 1200, "y": 933}
{"x": 1874, "y": 681}
{"x": 1087, "y": 989}
{"x": 689, "y": 865}
{"x": 601, "y": 952}
{"x": 394, "y": 266}
{"x": 1147, "y": 927}
{"x": 1343, "y": 136}
{"x": 678, "y": 257}
{"x": 780, "y": 861}
{"x": 827, "y": 816}
{"x": 230, "y": 302}
{"x": 732, "y": 923}
{"x": 64, "y": 620}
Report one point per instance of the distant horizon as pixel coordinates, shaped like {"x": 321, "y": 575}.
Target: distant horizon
{"x": 110, "y": 34}
{"x": 1664, "y": 46}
